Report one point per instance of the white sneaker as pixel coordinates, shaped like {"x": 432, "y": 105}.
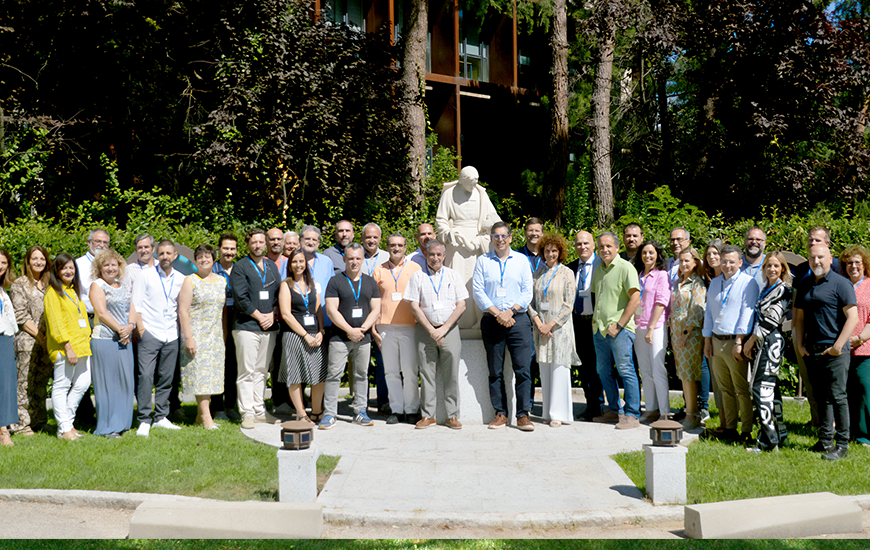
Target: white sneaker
{"x": 165, "y": 423}
{"x": 144, "y": 429}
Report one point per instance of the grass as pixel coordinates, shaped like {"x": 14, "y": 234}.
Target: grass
{"x": 220, "y": 464}
{"x": 719, "y": 471}
{"x": 484, "y": 544}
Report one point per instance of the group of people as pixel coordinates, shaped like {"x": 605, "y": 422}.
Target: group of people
{"x": 303, "y": 317}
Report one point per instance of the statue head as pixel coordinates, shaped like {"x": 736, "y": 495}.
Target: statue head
{"x": 468, "y": 178}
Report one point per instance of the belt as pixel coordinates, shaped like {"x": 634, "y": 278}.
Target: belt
{"x": 725, "y": 337}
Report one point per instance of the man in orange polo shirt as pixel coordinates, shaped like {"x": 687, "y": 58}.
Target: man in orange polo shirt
{"x": 394, "y": 333}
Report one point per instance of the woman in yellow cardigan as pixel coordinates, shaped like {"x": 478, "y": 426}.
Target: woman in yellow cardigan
{"x": 69, "y": 343}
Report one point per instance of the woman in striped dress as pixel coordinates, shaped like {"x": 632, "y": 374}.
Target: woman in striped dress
{"x": 303, "y": 357}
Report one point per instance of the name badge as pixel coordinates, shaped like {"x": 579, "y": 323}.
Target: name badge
{"x": 264, "y": 294}
{"x": 437, "y": 305}
{"x": 356, "y": 313}
{"x": 397, "y": 296}
{"x": 308, "y": 320}
{"x": 639, "y": 311}
{"x": 501, "y": 292}
{"x": 545, "y": 306}
{"x": 83, "y": 323}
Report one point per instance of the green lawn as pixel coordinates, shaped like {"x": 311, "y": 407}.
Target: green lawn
{"x": 525, "y": 544}
{"x": 719, "y": 471}
{"x": 221, "y": 464}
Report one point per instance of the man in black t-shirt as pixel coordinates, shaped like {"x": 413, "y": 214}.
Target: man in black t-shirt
{"x": 825, "y": 317}
{"x": 353, "y": 302}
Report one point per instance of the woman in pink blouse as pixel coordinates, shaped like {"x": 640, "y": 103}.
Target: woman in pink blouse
{"x": 651, "y": 335}
{"x": 855, "y": 261}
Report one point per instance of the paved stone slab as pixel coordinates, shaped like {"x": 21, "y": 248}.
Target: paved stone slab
{"x": 210, "y": 519}
{"x": 788, "y": 516}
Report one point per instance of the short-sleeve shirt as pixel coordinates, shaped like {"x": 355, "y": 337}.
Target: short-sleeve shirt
{"x": 392, "y": 283}
{"x": 611, "y": 284}
{"x": 340, "y": 287}
{"x": 822, "y": 302}
{"x": 437, "y": 296}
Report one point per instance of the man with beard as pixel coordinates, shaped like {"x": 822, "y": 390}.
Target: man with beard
{"x": 344, "y": 235}
{"x": 632, "y": 236}
{"x": 753, "y": 257}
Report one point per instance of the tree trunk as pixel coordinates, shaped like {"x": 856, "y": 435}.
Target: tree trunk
{"x": 414, "y": 81}
{"x": 601, "y": 178}
{"x": 666, "y": 160}
{"x": 557, "y": 171}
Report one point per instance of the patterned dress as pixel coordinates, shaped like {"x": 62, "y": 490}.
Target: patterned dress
{"x": 688, "y": 302}
{"x": 34, "y": 369}
{"x": 204, "y": 374}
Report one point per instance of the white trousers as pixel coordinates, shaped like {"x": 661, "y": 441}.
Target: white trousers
{"x": 399, "y": 349}
{"x": 651, "y": 361}
{"x": 71, "y": 382}
{"x": 556, "y": 390}
{"x": 253, "y": 353}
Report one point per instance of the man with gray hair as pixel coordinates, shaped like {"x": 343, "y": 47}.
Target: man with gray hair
{"x": 291, "y": 243}
{"x": 144, "y": 245}
{"x": 98, "y": 240}
{"x": 320, "y": 265}
{"x": 617, "y": 295}
{"x": 679, "y": 240}
{"x": 437, "y": 308}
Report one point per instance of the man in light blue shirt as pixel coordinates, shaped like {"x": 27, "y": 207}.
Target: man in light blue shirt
{"x": 502, "y": 286}
{"x": 753, "y": 258}
{"x": 728, "y": 320}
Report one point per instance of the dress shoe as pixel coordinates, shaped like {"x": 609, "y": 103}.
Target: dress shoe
{"x": 499, "y": 422}
{"x": 627, "y": 422}
{"x": 820, "y": 447}
{"x": 649, "y": 417}
{"x": 267, "y": 419}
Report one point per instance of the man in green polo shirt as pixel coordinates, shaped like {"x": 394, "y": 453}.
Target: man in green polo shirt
{"x": 617, "y": 295}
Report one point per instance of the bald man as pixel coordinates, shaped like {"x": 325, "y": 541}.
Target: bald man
{"x": 583, "y": 268}
{"x": 425, "y": 233}
{"x": 825, "y": 317}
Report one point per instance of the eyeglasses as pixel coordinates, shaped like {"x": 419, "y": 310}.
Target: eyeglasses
{"x": 679, "y": 240}
{"x": 497, "y": 237}
{"x": 396, "y": 245}
{"x": 754, "y": 240}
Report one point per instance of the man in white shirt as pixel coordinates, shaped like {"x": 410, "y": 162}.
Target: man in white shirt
{"x": 98, "y": 240}
{"x": 155, "y": 297}
{"x": 583, "y": 268}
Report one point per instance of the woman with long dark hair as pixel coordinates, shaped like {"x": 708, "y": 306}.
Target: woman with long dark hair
{"x": 8, "y": 377}
{"x": 651, "y": 339}
{"x": 69, "y": 343}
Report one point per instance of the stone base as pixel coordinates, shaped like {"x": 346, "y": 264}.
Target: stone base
{"x": 790, "y": 516}
{"x": 297, "y": 475}
{"x": 666, "y": 474}
{"x": 474, "y": 403}
{"x": 210, "y": 519}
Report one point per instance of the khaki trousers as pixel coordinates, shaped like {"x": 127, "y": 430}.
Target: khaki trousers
{"x": 731, "y": 379}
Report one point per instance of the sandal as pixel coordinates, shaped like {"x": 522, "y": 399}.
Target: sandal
{"x": 5, "y": 439}
{"x": 316, "y": 418}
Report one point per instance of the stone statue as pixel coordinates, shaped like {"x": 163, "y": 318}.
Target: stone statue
{"x": 464, "y": 218}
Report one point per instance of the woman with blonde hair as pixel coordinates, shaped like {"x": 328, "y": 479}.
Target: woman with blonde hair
{"x": 767, "y": 341}
{"x": 688, "y": 303}
{"x": 34, "y": 370}
{"x": 855, "y": 261}
{"x": 112, "y": 365}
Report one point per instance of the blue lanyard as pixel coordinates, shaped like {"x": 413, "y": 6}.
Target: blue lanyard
{"x": 396, "y": 279}
{"x": 437, "y": 290}
{"x": 78, "y": 307}
{"x": 356, "y": 292}
{"x": 643, "y": 281}
{"x": 534, "y": 264}
{"x": 861, "y": 282}
{"x": 768, "y": 291}
{"x": 160, "y": 278}
{"x": 373, "y": 266}
{"x": 725, "y": 300}
{"x": 263, "y": 275}
{"x": 305, "y": 296}
{"x": 553, "y": 276}
{"x": 502, "y": 267}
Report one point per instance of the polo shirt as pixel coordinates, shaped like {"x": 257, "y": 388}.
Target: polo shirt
{"x": 418, "y": 258}
{"x": 755, "y": 271}
{"x": 248, "y": 282}
{"x": 370, "y": 263}
{"x": 347, "y": 291}
{"x": 535, "y": 260}
{"x": 336, "y": 254}
{"x": 822, "y": 302}
{"x": 611, "y": 284}
{"x": 394, "y": 280}
{"x": 513, "y": 275}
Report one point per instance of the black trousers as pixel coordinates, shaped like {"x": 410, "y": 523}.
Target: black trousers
{"x": 517, "y": 340}
{"x": 829, "y": 375}
{"x": 589, "y": 379}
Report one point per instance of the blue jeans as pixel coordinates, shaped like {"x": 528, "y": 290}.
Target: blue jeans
{"x": 704, "y": 395}
{"x": 610, "y": 351}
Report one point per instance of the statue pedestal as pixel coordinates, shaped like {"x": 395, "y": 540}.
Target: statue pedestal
{"x": 475, "y": 406}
